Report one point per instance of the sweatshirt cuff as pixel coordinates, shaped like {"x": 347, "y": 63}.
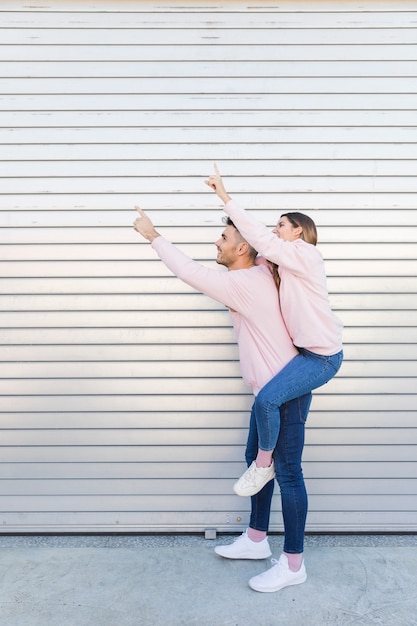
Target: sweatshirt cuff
{"x": 158, "y": 243}
{"x": 155, "y": 244}
{"x": 229, "y": 206}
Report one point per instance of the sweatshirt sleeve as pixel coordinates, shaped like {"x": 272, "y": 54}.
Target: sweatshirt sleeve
{"x": 223, "y": 286}
{"x": 296, "y": 256}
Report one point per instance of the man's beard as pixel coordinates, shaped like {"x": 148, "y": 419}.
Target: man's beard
{"x": 220, "y": 261}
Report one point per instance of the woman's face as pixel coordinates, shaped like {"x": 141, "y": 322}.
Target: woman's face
{"x": 286, "y": 231}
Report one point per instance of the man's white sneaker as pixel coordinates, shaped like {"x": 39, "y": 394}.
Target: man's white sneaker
{"x": 278, "y": 576}
{"x": 245, "y": 548}
{"x": 254, "y": 479}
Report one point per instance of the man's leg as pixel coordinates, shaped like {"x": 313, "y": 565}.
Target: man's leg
{"x": 253, "y": 543}
{"x": 290, "y": 569}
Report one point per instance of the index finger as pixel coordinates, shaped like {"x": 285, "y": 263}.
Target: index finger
{"x": 139, "y": 210}
{"x": 216, "y": 169}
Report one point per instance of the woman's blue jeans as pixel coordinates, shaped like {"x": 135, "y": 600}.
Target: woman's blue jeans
{"x": 302, "y": 374}
{"x": 287, "y": 459}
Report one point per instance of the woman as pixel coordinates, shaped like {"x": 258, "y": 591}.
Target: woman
{"x": 313, "y": 327}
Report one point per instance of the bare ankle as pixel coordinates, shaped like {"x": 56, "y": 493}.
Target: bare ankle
{"x": 264, "y": 458}
{"x": 256, "y": 535}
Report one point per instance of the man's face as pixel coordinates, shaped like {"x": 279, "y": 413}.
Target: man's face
{"x": 226, "y": 247}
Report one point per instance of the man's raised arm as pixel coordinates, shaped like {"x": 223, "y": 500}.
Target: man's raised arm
{"x": 225, "y": 287}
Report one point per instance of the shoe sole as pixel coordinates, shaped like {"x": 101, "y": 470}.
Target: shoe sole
{"x": 244, "y": 558}
{"x": 297, "y": 582}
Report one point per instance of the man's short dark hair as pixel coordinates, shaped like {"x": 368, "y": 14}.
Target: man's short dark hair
{"x": 252, "y": 252}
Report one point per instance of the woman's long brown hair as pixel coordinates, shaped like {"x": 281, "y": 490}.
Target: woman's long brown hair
{"x": 275, "y": 275}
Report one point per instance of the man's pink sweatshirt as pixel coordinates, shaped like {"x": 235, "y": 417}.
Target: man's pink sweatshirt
{"x": 303, "y": 291}
{"x": 251, "y": 295}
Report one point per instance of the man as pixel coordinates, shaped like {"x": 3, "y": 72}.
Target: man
{"x": 250, "y": 293}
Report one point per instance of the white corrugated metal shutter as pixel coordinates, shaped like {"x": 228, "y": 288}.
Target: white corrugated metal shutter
{"x": 122, "y": 406}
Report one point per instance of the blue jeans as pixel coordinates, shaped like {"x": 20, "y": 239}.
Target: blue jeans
{"x": 287, "y": 459}
{"x": 302, "y": 374}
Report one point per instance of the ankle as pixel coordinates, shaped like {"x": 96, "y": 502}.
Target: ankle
{"x": 256, "y": 535}
{"x": 294, "y": 561}
{"x": 264, "y": 458}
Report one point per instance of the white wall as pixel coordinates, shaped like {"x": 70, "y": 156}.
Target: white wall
{"x": 121, "y": 395}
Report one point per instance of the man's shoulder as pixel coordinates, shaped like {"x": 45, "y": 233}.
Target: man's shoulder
{"x": 254, "y": 275}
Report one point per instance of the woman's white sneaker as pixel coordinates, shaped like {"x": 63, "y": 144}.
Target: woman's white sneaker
{"x": 254, "y": 479}
{"x": 278, "y": 576}
{"x": 245, "y": 548}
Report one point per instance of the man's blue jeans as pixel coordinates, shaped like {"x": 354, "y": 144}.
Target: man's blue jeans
{"x": 287, "y": 459}
{"x": 302, "y": 374}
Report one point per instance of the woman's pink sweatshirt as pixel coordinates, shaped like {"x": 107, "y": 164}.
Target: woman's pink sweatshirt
{"x": 251, "y": 295}
{"x": 303, "y": 291}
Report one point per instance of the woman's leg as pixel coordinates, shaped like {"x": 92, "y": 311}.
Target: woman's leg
{"x": 304, "y": 372}
{"x": 261, "y": 502}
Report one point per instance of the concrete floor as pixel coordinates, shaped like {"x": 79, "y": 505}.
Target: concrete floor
{"x": 179, "y": 581}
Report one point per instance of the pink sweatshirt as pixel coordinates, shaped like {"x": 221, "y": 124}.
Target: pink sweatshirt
{"x": 264, "y": 344}
{"x": 303, "y": 291}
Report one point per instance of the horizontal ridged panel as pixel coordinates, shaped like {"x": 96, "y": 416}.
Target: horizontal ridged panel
{"x": 122, "y": 405}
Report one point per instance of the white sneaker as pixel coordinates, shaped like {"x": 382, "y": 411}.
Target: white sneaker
{"x": 245, "y": 548}
{"x": 278, "y": 576}
{"x": 254, "y": 479}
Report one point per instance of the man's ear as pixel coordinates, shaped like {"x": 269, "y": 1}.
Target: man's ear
{"x": 242, "y": 248}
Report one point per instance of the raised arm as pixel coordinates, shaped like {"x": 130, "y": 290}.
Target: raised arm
{"x": 225, "y": 287}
